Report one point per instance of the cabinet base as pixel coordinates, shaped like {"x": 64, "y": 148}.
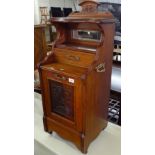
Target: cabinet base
{"x": 67, "y": 133}
{"x": 79, "y": 139}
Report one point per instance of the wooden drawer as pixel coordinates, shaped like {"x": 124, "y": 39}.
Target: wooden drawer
{"x": 61, "y": 78}
{"x": 79, "y": 59}
{"x": 63, "y": 72}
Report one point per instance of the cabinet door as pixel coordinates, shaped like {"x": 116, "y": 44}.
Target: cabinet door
{"x": 62, "y": 100}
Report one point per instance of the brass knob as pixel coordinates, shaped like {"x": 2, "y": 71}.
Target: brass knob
{"x": 60, "y": 77}
{"x": 73, "y": 57}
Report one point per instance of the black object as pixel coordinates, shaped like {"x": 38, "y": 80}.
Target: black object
{"x": 56, "y": 12}
{"x": 115, "y": 9}
{"x": 114, "y": 111}
{"x": 67, "y": 11}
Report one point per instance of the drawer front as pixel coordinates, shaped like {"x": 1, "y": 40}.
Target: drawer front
{"x": 61, "y": 99}
{"x": 70, "y": 57}
{"x": 61, "y": 78}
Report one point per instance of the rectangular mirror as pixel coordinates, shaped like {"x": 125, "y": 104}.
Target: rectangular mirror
{"x": 87, "y": 35}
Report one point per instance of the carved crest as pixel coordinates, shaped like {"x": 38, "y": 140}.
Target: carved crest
{"x": 89, "y": 5}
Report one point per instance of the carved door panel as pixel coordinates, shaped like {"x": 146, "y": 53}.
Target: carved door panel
{"x": 61, "y": 101}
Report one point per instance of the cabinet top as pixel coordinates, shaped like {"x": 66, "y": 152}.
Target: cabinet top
{"x": 84, "y": 31}
{"x": 83, "y": 19}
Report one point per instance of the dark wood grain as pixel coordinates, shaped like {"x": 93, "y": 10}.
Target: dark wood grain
{"x": 90, "y": 89}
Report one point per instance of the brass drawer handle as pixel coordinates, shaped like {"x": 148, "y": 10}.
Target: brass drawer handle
{"x": 60, "y": 77}
{"x": 74, "y": 58}
{"x": 100, "y": 68}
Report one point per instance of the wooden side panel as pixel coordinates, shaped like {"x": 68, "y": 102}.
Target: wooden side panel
{"x": 97, "y": 90}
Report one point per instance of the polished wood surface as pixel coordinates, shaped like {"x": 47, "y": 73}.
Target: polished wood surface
{"x": 87, "y": 74}
{"x": 65, "y": 69}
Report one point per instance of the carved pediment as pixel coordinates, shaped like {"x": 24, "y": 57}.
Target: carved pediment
{"x": 89, "y": 5}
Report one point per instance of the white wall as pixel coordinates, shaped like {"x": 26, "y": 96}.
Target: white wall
{"x": 36, "y": 12}
{"x": 111, "y": 1}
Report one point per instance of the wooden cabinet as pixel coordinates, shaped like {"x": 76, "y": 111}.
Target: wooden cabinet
{"x": 75, "y": 77}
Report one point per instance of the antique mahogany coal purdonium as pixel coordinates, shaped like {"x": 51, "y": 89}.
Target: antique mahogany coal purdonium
{"x": 75, "y": 77}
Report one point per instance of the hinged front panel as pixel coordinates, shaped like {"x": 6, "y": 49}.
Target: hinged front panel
{"x": 61, "y": 100}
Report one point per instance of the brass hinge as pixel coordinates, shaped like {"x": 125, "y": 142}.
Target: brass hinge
{"x": 100, "y": 68}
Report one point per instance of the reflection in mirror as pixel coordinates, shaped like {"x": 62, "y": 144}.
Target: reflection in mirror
{"x": 87, "y": 35}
